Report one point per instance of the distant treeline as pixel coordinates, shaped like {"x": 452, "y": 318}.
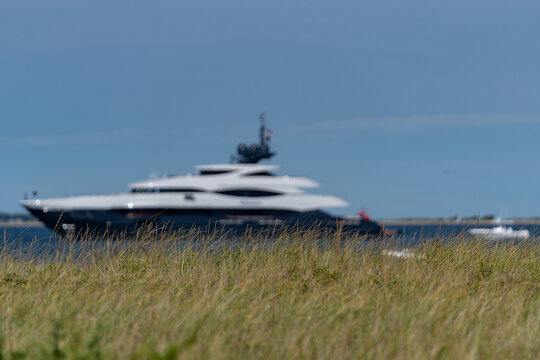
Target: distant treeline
{"x": 16, "y": 217}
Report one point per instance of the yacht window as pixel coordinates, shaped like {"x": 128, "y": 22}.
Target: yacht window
{"x": 144, "y": 190}
{"x": 248, "y": 193}
{"x": 213, "y": 172}
{"x": 261, "y": 173}
{"x": 181, "y": 190}
{"x": 153, "y": 190}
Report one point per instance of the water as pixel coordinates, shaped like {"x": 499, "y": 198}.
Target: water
{"x": 26, "y": 234}
{"x": 42, "y": 241}
{"x": 42, "y": 234}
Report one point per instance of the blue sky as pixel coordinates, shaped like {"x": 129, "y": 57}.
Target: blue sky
{"x": 406, "y": 108}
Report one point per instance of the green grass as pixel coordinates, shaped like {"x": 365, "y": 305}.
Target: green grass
{"x": 184, "y": 297}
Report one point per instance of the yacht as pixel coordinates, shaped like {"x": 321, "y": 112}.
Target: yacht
{"x": 500, "y": 231}
{"x": 239, "y": 195}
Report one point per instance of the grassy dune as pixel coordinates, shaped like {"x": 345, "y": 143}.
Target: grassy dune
{"x": 195, "y": 297}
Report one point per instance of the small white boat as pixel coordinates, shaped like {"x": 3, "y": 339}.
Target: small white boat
{"x": 402, "y": 254}
{"x": 500, "y": 232}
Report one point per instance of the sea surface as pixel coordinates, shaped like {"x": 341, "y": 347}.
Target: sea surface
{"x": 39, "y": 240}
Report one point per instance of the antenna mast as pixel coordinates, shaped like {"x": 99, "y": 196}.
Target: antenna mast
{"x": 262, "y": 130}
{"x": 256, "y": 152}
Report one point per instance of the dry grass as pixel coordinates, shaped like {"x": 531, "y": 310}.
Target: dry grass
{"x": 199, "y": 297}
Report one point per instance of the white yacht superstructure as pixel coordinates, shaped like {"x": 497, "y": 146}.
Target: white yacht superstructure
{"x": 227, "y": 187}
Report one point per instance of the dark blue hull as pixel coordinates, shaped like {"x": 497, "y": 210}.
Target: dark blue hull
{"x": 230, "y": 221}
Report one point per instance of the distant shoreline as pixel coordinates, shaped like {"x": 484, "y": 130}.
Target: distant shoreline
{"x": 454, "y": 222}
{"x": 12, "y": 224}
